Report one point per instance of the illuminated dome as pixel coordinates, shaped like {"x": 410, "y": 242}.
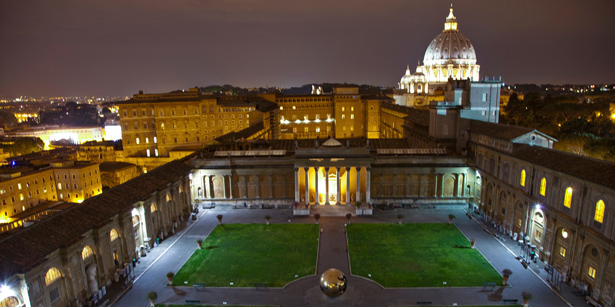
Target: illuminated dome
{"x": 450, "y": 54}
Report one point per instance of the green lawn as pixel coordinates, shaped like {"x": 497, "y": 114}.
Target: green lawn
{"x": 246, "y": 254}
{"x": 417, "y": 255}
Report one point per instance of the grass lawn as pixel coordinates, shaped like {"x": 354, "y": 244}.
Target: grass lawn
{"x": 417, "y": 255}
{"x": 246, "y": 254}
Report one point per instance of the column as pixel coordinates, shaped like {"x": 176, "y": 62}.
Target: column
{"x": 347, "y": 185}
{"x": 224, "y": 186}
{"x": 408, "y": 184}
{"x": 296, "y": 184}
{"x": 337, "y": 181}
{"x": 270, "y": 185}
{"x": 245, "y": 186}
{"x": 435, "y": 185}
{"x": 316, "y": 184}
{"x": 258, "y": 186}
{"x": 368, "y": 184}
{"x": 358, "y": 190}
{"x": 230, "y": 186}
{"x": 381, "y": 183}
{"x": 327, "y": 185}
{"x": 210, "y": 186}
{"x": 394, "y": 185}
{"x": 307, "y": 185}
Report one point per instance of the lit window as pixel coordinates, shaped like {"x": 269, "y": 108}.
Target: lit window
{"x": 522, "y": 178}
{"x": 351, "y": 116}
{"x": 137, "y": 140}
{"x": 19, "y": 186}
{"x": 562, "y": 252}
{"x": 294, "y": 108}
{"x": 317, "y": 129}
{"x": 114, "y": 234}
{"x": 52, "y": 275}
{"x": 352, "y": 109}
{"x": 568, "y": 197}
{"x": 343, "y": 109}
{"x": 543, "y": 186}
{"x": 343, "y": 116}
{"x": 86, "y": 252}
{"x": 591, "y": 272}
{"x": 599, "y": 215}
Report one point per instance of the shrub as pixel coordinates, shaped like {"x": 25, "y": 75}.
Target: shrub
{"x": 507, "y": 272}
{"x": 170, "y": 275}
{"x": 152, "y": 296}
{"x": 527, "y": 296}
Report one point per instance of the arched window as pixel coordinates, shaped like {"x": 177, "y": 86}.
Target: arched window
{"x": 114, "y": 234}
{"x": 568, "y": 197}
{"x": 599, "y": 215}
{"x": 522, "y": 181}
{"x": 52, "y": 275}
{"x": 543, "y": 186}
{"x": 87, "y": 252}
{"x": 10, "y": 301}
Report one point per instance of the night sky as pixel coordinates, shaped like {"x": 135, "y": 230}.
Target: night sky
{"x": 118, "y": 47}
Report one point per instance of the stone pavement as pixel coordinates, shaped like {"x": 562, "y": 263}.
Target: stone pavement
{"x": 174, "y": 251}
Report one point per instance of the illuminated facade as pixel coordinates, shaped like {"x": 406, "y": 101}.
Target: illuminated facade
{"x": 75, "y": 135}
{"x": 155, "y": 124}
{"x": 77, "y": 181}
{"x": 22, "y": 190}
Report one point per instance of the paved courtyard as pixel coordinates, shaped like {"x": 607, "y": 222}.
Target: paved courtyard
{"x": 333, "y": 253}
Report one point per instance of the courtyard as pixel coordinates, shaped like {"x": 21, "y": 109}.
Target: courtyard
{"x": 382, "y": 239}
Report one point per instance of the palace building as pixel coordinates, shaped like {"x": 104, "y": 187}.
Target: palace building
{"x": 326, "y": 149}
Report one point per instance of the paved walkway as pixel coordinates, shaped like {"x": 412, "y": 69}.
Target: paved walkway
{"x": 173, "y": 252}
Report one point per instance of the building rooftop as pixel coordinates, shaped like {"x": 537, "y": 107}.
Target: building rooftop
{"x": 114, "y": 166}
{"x": 28, "y": 248}
{"x": 594, "y": 170}
{"x": 498, "y": 131}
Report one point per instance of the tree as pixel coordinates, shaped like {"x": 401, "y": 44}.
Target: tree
{"x": 316, "y": 217}
{"x": 506, "y": 274}
{"x": 152, "y": 296}
{"x": 348, "y": 217}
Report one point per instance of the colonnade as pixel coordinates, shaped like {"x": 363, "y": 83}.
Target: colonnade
{"x": 312, "y": 192}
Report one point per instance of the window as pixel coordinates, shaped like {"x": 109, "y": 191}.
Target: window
{"x": 351, "y": 116}
{"x": 352, "y": 109}
{"x": 137, "y": 141}
{"x": 343, "y": 116}
{"x": 54, "y": 294}
{"x": 599, "y": 215}
{"x": 562, "y": 252}
{"x": 52, "y": 275}
{"x": 543, "y": 186}
{"x": 591, "y": 271}
{"x": 522, "y": 181}
{"x": 19, "y": 186}
{"x": 59, "y": 186}
{"x": 568, "y": 197}
{"x": 114, "y": 234}
{"x": 87, "y": 252}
